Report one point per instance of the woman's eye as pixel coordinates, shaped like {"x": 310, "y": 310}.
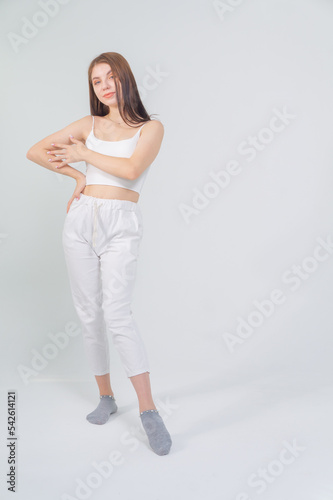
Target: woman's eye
{"x": 111, "y": 76}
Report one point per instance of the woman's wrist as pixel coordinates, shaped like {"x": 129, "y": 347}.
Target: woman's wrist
{"x": 77, "y": 175}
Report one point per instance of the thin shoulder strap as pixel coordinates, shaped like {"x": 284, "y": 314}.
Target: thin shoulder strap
{"x": 142, "y": 127}
{"x": 93, "y": 122}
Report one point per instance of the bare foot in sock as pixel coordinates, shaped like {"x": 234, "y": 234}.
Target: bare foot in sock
{"x": 158, "y": 435}
{"x": 105, "y": 408}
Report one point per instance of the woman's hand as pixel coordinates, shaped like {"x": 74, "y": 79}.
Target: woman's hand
{"x": 80, "y": 185}
{"x": 68, "y": 153}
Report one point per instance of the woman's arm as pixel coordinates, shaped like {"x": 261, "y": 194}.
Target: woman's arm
{"x": 38, "y": 152}
{"x": 129, "y": 168}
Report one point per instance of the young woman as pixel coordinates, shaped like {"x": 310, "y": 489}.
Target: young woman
{"x": 103, "y": 228}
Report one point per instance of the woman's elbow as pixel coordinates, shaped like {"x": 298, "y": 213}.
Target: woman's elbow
{"x": 30, "y": 154}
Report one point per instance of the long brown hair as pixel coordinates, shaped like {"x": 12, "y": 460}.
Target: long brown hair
{"x": 132, "y": 111}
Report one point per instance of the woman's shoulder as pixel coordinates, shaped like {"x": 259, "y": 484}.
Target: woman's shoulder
{"x": 154, "y": 125}
{"x": 153, "y": 121}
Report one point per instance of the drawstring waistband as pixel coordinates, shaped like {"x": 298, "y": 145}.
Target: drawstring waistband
{"x": 108, "y": 203}
{"x": 95, "y": 223}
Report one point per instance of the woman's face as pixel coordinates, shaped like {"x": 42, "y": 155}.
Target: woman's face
{"x": 103, "y": 84}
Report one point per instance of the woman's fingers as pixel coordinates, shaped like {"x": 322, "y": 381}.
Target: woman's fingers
{"x": 75, "y": 195}
{"x": 62, "y": 164}
{"x": 56, "y": 151}
{"x": 57, "y": 159}
{"x": 69, "y": 205}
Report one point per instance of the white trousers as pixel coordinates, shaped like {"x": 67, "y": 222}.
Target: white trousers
{"x": 101, "y": 239}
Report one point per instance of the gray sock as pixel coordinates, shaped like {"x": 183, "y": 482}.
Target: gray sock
{"x": 158, "y": 435}
{"x": 106, "y": 406}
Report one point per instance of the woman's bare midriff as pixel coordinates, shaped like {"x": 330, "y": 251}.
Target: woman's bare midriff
{"x": 118, "y": 193}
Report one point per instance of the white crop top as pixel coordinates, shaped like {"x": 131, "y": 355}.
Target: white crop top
{"x": 121, "y": 149}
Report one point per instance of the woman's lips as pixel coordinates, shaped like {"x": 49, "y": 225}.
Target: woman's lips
{"x": 109, "y": 95}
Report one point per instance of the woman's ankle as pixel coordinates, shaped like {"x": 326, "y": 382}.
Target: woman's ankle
{"x": 145, "y": 407}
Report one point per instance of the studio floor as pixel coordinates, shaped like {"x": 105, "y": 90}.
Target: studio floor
{"x": 269, "y": 438}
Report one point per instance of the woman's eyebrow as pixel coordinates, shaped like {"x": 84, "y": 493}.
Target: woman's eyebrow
{"x": 99, "y": 77}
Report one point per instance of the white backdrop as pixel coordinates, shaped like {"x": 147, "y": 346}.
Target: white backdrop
{"x": 234, "y": 287}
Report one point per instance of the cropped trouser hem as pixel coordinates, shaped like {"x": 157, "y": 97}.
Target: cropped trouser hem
{"x": 128, "y": 374}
